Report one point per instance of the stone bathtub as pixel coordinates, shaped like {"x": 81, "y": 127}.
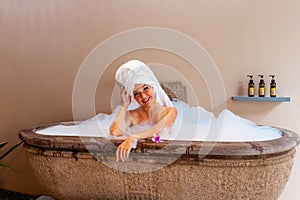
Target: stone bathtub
{"x": 72, "y": 167}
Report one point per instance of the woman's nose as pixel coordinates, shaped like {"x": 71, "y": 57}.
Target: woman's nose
{"x": 143, "y": 95}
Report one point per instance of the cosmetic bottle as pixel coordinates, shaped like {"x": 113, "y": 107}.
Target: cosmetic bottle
{"x": 250, "y": 86}
{"x": 272, "y": 86}
{"x": 261, "y": 88}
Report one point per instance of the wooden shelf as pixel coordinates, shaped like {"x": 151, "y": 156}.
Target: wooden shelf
{"x": 267, "y": 99}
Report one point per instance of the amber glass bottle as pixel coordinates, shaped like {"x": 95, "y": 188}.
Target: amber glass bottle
{"x": 250, "y": 86}
{"x": 272, "y": 86}
{"x": 261, "y": 86}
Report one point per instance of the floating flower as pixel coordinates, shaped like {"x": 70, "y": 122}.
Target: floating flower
{"x": 156, "y": 138}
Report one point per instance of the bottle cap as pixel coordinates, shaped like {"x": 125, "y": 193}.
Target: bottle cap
{"x": 273, "y": 76}
{"x": 261, "y": 79}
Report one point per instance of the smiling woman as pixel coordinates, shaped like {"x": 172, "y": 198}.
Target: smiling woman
{"x": 140, "y": 85}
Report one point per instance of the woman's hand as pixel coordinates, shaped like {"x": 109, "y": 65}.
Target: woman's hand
{"x": 122, "y": 120}
{"x": 125, "y": 98}
{"x": 124, "y": 149}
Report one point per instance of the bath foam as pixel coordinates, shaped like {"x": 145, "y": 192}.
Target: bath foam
{"x": 192, "y": 124}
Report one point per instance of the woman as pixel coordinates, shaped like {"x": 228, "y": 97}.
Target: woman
{"x": 138, "y": 83}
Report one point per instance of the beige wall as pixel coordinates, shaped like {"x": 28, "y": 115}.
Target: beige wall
{"x": 43, "y": 43}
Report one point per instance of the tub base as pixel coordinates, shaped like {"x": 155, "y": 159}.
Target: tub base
{"x": 65, "y": 176}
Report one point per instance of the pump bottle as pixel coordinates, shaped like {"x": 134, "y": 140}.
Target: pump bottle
{"x": 261, "y": 86}
{"x": 250, "y": 86}
{"x": 272, "y": 86}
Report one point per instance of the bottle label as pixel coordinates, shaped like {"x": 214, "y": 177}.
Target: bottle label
{"x": 273, "y": 92}
{"x": 261, "y": 91}
{"x": 251, "y": 91}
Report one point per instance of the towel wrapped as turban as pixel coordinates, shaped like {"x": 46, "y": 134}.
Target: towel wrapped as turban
{"x": 136, "y": 72}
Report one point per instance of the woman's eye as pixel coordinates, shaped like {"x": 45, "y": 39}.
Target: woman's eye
{"x": 135, "y": 94}
{"x": 146, "y": 88}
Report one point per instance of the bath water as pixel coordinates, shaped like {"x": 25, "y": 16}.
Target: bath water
{"x": 192, "y": 124}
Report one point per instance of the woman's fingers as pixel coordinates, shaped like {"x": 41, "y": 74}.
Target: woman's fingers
{"x": 117, "y": 154}
{"x": 122, "y": 153}
{"x": 122, "y": 91}
{"x": 127, "y": 154}
{"x": 123, "y": 150}
{"x": 125, "y": 98}
{"x": 129, "y": 99}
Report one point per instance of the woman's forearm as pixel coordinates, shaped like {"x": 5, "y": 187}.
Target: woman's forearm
{"x": 146, "y": 134}
{"x": 151, "y": 132}
{"x": 166, "y": 121}
{"x": 120, "y": 123}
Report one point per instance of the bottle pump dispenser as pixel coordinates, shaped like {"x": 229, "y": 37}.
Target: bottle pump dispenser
{"x": 272, "y": 86}
{"x": 261, "y": 86}
{"x": 250, "y": 86}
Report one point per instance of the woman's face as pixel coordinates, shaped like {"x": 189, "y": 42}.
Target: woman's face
{"x": 144, "y": 94}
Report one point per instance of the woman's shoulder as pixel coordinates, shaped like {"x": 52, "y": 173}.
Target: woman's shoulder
{"x": 170, "y": 110}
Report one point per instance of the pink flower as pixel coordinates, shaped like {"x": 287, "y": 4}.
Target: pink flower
{"x": 156, "y": 138}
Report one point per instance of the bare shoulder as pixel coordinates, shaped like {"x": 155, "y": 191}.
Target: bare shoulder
{"x": 170, "y": 113}
{"x": 170, "y": 110}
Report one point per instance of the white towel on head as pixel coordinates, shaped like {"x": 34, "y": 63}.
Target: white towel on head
{"x": 136, "y": 72}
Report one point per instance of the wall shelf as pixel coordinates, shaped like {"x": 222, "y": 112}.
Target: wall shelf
{"x": 267, "y": 99}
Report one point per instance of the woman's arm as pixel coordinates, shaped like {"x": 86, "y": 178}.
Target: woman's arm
{"x": 122, "y": 121}
{"x": 167, "y": 120}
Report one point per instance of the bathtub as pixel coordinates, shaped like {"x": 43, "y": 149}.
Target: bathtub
{"x": 72, "y": 167}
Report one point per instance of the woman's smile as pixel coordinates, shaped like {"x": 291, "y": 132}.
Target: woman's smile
{"x": 146, "y": 100}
